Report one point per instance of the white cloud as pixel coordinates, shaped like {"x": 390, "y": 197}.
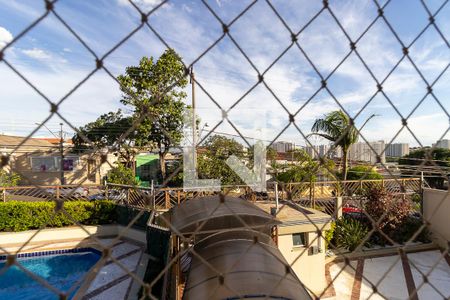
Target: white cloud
{"x": 144, "y": 4}
{"x": 37, "y": 53}
{"x": 67, "y": 49}
{"x": 5, "y": 37}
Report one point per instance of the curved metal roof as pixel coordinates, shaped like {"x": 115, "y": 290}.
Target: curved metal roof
{"x": 237, "y": 267}
{"x": 218, "y": 213}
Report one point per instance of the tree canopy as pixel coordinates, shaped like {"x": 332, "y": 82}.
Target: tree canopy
{"x": 212, "y": 156}
{"x": 305, "y": 168}
{"x": 105, "y": 132}
{"x": 337, "y": 128}
{"x": 154, "y": 92}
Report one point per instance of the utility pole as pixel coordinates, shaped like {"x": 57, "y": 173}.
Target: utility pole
{"x": 61, "y": 153}
{"x": 194, "y": 125}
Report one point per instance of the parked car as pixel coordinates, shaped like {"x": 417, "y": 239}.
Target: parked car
{"x": 79, "y": 192}
{"x": 116, "y": 195}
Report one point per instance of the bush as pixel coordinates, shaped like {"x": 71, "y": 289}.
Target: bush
{"x": 8, "y": 179}
{"x": 407, "y": 230}
{"x": 393, "y": 209}
{"x": 329, "y": 234}
{"x": 20, "y": 216}
{"x": 349, "y": 233}
{"x": 363, "y": 172}
{"x": 122, "y": 175}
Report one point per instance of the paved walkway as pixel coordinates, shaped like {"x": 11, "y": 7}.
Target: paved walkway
{"x": 113, "y": 282}
{"x": 393, "y": 277}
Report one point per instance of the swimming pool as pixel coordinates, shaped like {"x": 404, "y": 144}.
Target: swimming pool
{"x": 60, "y": 270}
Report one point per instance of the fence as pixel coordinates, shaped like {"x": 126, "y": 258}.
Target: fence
{"x": 363, "y": 61}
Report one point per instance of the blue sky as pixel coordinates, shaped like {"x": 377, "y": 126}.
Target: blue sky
{"x": 55, "y": 61}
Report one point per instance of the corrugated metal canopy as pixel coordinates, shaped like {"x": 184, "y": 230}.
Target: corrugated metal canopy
{"x": 237, "y": 267}
{"x": 218, "y": 213}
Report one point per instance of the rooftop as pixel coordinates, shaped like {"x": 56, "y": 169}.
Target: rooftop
{"x": 291, "y": 214}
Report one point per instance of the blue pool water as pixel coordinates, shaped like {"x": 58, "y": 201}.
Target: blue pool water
{"x": 61, "y": 271}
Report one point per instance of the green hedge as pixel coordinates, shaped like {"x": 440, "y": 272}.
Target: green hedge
{"x": 20, "y": 216}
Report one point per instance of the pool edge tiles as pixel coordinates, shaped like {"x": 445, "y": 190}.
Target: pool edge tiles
{"x": 3, "y": 257}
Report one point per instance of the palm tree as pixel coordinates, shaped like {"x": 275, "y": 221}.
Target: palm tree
{"x": 337, "y": 128}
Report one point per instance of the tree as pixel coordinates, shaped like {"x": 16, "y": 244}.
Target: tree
{"x": 122, "y": 175}
{"x": 363, "y": 172}
{"x": 211, "y": 159}
{"x": 105, "y": 132}
{"x": 337, "y": 128}
{"x": 154, "y": 92}
{"x": 8, "y": 179}
{"x": 305, "y": 168}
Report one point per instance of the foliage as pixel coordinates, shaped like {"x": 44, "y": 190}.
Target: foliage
{"x": 305, "y": 168}
{"x": 349, "y": 233}
{"x": 175, "y": 179}
{"x": 211, "y": 161}
{"x": 394, "y": 210}
{"x": 20, "y": 216}
{"x": 408, "y": 228}
{"x": 154, "y": 92}
{"x": 105, "y": 132}
{"x": 122, "y": 175}
{"x": 8, "y": 179}
{"x": 329, "y": 234}
{"x": 440, "y": 156}
{"x": 363, "y": 172}
{"x": 336, "y": 127}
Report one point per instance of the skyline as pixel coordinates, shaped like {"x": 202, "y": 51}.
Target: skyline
{"x": 51, "y": 58}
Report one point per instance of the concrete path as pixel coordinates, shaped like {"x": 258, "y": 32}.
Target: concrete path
{"x": 393, "y": 277}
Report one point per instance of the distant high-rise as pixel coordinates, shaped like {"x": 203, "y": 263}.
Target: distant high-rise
{"x": 368, "y": 152}
{"x": 397, "y": 150}
{"x": 283, "y": 146}
{"x": 442, "y": 144}
{"x": 317, "y": 151}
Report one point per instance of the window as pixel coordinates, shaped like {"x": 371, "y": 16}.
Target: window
{"x": 43, "y": 164}
{"x": 53, "y": 164}
{"x": 299, "y": 239}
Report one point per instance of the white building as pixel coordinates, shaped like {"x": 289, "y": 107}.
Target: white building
{"x": 397, "y": 150}
{"x": 317, "y": 151}
{"x": 368, "y": 152}
{"x": 283, "y": 146}
{"x": 442, "y": 144}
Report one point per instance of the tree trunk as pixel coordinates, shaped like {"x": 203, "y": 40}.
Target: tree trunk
{"x": 344, "y": 163}
{"x": 162, "y": 164}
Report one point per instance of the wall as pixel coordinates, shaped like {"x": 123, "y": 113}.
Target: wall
{"x": 60, "y": 238}
{"x": 437, "y": 214}
{"x": 86, "y": 172}
{"x": 310, "y": 269}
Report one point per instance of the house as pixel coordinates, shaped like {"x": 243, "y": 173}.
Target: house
{"x": 300, "y": 243}
{"x": 38, "y": 161}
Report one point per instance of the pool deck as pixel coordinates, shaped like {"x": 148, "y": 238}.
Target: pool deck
{"x": 113, "y": 281}
{"x": 395, "y": 277}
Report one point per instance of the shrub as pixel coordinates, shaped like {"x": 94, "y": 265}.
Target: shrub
{"x": 349, "y": 233}
{"x": 408, "y": 228}
{"x": 394, "y": 208}
{"x": 122, "y": 175}
{"x": 363, "y": 172}
{"x": 329, "y": 234}
{"x": 9, "y": 178}
{"x": 20, "y": 216}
